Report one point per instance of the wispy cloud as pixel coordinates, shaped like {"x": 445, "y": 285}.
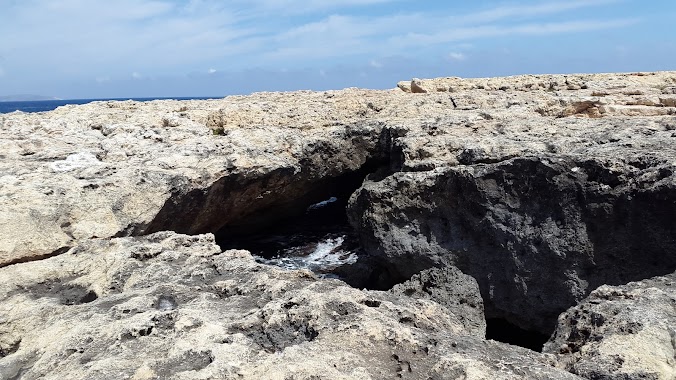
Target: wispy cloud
{"x": 492, "y": 30}
{"x": 165, "y": 35}
{"x": 528, "y": 11}
{"x": 307, "y": 6}
{"x": 457, "y": 56}
{"x": 97, "y": 39}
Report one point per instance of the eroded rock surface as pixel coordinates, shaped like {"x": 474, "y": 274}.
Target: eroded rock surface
{"x": 450, "y": 288}
{"x": 174, "y": 307}
{"x": 67, "y": 177}
{"x": 514, "y": 197}
{"x": 526, "y": 228}
{"x": 621, "y": 332}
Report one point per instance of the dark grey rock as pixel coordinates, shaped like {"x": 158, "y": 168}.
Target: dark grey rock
{"x": 537, "y": 233}
{"x": 450, "y": 288}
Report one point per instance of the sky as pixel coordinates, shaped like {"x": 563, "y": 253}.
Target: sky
{"x": 76, "y": 49}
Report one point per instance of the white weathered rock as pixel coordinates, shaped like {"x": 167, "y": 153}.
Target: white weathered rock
{"x": 170, "y": 306}
{"x": 626, "y": 332}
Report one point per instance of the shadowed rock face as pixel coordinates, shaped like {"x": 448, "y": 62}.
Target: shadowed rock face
{"x": 537, "y": 233}
{"x": 510, "y": 197}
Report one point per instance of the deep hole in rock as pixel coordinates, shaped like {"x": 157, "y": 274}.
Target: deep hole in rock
{"x": 310, "y": 233}
{"x": 506, "y": 332}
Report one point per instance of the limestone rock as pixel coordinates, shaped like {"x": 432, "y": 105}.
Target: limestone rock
{"x": 450, "y": 288}
{"x": 75, "y": 177}
{"x": 417, "y": 87}
{"x": 542, "y": 188}
{"x": 621, "y": 332}
{"x": 175, "y": 307}
{"x": 119, "y": 168}
{"x": 404, "y": 86}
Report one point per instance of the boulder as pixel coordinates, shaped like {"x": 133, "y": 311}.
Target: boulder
{"x": 451, "y": 288}
{"x": 621, "y": 332}
{"x": 537, "y": 233}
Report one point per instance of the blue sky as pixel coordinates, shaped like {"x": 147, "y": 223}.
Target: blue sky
{"x": 135, "y": 48}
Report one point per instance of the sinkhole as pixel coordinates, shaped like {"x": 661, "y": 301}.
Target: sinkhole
{"x": 311, "y": 233}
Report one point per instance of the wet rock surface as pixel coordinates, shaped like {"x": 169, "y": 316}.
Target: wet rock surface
{"x": 474, "y": 203}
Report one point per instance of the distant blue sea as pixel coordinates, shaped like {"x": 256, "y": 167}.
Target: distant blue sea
{"x": 48, "y": 105}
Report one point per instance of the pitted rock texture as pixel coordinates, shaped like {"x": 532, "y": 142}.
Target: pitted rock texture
{"x": 67, "y": 178}
{"x": 541, "y": 188}
{"x": 451, "y": 288}
{"x": 124, "y": 168}
{"x": 170, "y": 306}
{"x": 621, "y": 332}
{"x": 537, "y": 233}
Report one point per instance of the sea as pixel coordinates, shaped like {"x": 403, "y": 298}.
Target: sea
{"x": 49, "y": 105}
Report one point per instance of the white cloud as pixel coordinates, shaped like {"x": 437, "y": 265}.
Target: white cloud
{"x": 72, "y": 39}
{"x": 307, "y": 6}
{"x": 165, "y": 36}
{"x": 96, "y": 34}
{"x": 527, "y": 29}
{"x": 375, "y": 64}
{"x": 339, "y": 35}
{"x": 136, "y": 75}
{"x": 212, "y": 71}
{"x": 457, "y": 56}
{"x": 526, "y": 11}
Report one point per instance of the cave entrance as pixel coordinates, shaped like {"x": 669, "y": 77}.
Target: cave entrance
{"x": 310, "y": 232}
{"x": 503, "y": 331}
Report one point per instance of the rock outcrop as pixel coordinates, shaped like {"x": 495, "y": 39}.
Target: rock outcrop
{"x": 173, "y": 306}
{"x": 621, "y": 332}
{"x": 540, "y": 210}
{"x": 537, "y": 233}
{"x": 450, "y": 288}
{"x": 501, "y": 198}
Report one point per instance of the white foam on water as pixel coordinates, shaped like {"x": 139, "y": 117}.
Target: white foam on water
{"x": 326, "y": 256}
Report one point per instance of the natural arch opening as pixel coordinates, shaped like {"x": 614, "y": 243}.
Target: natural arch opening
{"x": 311, "y": 232}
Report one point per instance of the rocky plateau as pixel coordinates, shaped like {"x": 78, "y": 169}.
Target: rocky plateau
{"x": 489, "y": 213}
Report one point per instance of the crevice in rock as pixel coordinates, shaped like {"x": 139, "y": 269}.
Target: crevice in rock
{"x": 28, "y": 259}
{"x": 503, "y": 331}
{"x": 10, "y": 348}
